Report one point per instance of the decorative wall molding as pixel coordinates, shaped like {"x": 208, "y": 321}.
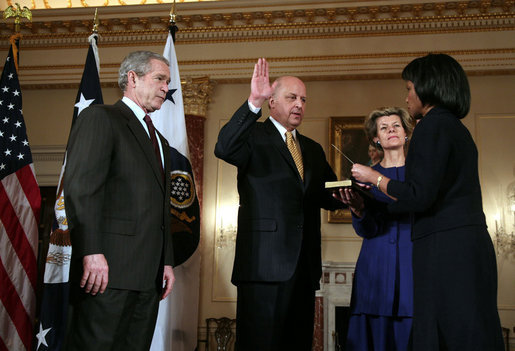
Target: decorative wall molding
{"x": 48, "y": 160}
{"x": 48, "y": 152}
{"x": 359, "y": 66}
{"x": 150, "y": 25}
{"x": 196, "y": 94}
{"x": 323, "y": 40}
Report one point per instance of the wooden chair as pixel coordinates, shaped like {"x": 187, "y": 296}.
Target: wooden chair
{"x": 220, "y": 334}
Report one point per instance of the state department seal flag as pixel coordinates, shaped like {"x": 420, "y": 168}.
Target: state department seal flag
{"x": 54, "y": 304}
{"x": 20, "y": 202}
{"x": 177, "y": 323}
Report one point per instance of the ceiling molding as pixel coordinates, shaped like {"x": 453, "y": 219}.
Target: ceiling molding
{"x": 322, "y": 40}
{"x": 285, "y": 59}
{"x": 390, "y": 18}
{"x": 308, "y": 78}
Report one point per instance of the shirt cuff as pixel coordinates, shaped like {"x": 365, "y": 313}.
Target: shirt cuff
{"x": 253, "y": 108}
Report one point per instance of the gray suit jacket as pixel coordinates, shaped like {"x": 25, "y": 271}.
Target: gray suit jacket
{"x": 117, "y": 201}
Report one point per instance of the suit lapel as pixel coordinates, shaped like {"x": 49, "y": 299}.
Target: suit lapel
{"x": 280, "y": 145}
{"x": 143, "y": 140}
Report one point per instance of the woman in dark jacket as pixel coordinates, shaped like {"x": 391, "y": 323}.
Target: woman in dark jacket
{"x": 454, "y": 267}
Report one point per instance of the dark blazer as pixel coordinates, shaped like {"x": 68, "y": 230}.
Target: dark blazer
{"x": 116, "y": 198}
{"x": 442, "y": 187}
{"x": 277, "y": 209}
{"x": 454, "y": 263}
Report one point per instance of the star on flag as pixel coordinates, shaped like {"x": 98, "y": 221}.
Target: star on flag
{"x": 169, "y": 95}
{"x": 41, "y": 336}
{"x": 83, "y": 103}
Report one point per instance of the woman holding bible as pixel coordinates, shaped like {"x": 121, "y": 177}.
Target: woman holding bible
{"x": 454, "y": 267}
{"x": 382, "y": 292}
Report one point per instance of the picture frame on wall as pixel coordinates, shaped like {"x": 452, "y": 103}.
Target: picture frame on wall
{"x": 348, "y": 135}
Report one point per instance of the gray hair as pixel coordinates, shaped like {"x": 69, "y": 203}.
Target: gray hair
{"x": 139, "y": 62}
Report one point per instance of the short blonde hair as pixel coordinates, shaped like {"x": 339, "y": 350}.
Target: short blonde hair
{"x": 370, "y": 124}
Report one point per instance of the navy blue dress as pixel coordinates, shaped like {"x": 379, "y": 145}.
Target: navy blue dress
{"x": 382, "y": 293}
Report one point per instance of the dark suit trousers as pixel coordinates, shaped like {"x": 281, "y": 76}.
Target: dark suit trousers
{"x": 112, "y": 321}
{"x": 277, "y": 316}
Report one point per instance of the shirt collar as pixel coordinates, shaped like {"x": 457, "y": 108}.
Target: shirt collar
{"x": 138, "y": 111}
{"x": 283, "y": 130}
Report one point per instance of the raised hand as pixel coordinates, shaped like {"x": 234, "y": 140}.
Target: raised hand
{"x": 260, "y": 88}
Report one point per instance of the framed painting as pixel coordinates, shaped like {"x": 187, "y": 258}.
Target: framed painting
{"x": 347, "y": 134}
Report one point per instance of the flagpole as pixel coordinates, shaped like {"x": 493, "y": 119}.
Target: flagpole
{"x": 95, "y": 22}
{"x": 171, "y": 24}
{"x": 18, "y": 13}
{"x": 93, "y": 39}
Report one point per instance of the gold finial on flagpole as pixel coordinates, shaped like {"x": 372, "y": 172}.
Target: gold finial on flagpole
{"x": 172, "y": 13}
{"x": 17, "y": 12}
{"x": 95, "y": 21}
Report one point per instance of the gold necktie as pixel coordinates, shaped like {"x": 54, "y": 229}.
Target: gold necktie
{"x": 297, "y": 157}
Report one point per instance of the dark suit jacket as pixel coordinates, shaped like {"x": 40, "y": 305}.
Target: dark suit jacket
{"x": 442, "y": 187}
{"x": 277, "y": 210}
{"x": 117, "y": 202}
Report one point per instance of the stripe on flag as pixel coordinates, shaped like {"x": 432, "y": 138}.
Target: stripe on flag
{"x": 20, "y": 202}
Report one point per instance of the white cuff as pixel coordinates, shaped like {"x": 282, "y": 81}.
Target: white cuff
{"x": 253, "y": 108}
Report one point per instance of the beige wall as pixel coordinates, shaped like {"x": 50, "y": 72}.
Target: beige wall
{"x": 48, "y": 113}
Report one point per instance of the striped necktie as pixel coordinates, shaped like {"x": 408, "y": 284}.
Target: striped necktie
{"x": 297, "y": 157}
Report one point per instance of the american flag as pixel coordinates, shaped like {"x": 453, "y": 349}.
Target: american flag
{"x": 54, "y": 303}
{"x": 20, "y": 201}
